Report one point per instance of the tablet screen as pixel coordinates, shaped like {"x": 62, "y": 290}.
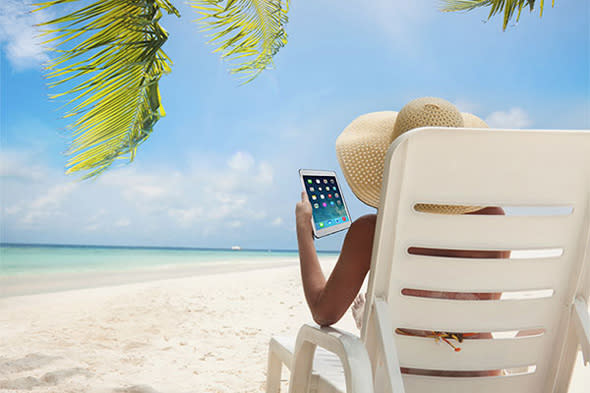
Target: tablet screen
{"x": 326, "y": 201}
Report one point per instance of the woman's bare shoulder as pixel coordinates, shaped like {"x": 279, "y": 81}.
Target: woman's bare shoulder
{"x": 367, "y": 219}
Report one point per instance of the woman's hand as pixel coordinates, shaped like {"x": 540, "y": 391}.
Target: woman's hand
{"x": 303, "y": 216}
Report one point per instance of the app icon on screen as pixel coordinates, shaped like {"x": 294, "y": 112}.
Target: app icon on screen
{"x": 317, "y": 181}
{"x": 308, "y": 181}
{"x": 332, "y": 181}
{"x": 311, "y": 189}
{"x": 343, "y": 218}
{"x": 338, "y": 202}
{"x": 336, "y": 195}
{"x": 331, "y": 202}
{"x": 334, "y": 188}
{"x": 316, "y": 205}
{"x": 329, "y": 222}
{"x": 321, "y": 224}
{"x": 337, "y": 221}
{"x": 322, "y": 196}
{"x": 329, "y": 195}
{"x": 314, "y": 197}
{"x": 325, "y": 181}
{"x": 324, "y": 204}
{"x": 319, "y": 188}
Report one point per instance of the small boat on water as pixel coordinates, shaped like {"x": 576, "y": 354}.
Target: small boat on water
{"x": 236, "y": 248}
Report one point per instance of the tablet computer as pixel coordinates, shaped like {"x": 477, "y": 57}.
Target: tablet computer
{"x": 329, "y": 211}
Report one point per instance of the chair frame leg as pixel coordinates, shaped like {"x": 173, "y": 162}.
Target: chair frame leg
{"x": 273, "y": 374}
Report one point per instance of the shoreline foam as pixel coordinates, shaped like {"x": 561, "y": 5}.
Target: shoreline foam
{"x": 31, "y": 284}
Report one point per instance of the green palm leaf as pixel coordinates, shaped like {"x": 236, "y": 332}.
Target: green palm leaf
{"x": 496, "y": 6}
{"x": 109, "y": 64}
{"x": 248, "y": 32}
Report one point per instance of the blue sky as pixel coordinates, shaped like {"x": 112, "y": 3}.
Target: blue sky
{"x": 221, "y": 168}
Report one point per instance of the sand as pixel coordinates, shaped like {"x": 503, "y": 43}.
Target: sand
{"x": 205, "y": 333}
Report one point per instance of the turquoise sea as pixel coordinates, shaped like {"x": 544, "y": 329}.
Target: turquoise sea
{"x": 19, "y": 259}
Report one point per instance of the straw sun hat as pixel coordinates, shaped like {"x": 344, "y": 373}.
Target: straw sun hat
{"x": 362, "y": 146}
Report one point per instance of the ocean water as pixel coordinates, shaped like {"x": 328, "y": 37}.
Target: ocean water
{"x": 16, "y": 259}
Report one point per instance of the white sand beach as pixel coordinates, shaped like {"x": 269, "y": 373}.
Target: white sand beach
{"x": 203, "y": 333}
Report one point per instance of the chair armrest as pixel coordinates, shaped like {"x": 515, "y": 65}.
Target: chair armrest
{"x": 582, "y": 321}
{"x": 349, "y": 348}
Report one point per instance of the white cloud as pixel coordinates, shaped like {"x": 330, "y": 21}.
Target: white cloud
{"x": 98, "y": 215}
{"x": 235, "y": 224}
{"x": 207, "y": 204}
{"x": 241, "y": 161}
{"x": 513, "y": 118}
{"x": 123, "y": 222}
{"x": 138, "y": 186}
{"x": 53, "y": 197}
{"x": 92, "y": 227}
{"x": 16, "y": 164}
{"x": 265, "y": 173}
{"x": 151, "y": 191}
{"x": 48, "y": 204}
{"x": 186, "y": 216}
{"x": 207, "y": 196}
{"x": 96, "y": 221}
{"x": 12, "y": 210}
{"x": 18, "y": 34}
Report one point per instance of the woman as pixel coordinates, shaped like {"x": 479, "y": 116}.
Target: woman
{"x": 361, "y": 150}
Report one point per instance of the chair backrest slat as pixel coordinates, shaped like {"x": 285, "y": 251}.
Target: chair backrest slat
{"x": 475, "y": 354}
{"x": 473, "y": 316}
{"x": 537, "y": 283}
{"x": 519, "y": 383}
{"x": 478, "y": 275}
{"x": 480, "y": 231}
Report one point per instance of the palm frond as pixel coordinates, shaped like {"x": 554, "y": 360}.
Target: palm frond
{"x": 496, "y": 6}
{"x": 109, "y": 64}
{"x": 248, "y": 33}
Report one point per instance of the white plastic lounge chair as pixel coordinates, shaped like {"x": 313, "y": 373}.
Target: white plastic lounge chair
{"x": 466, "y": 167}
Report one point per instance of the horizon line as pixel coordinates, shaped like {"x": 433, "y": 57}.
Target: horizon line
{"x": 156, "y": 247}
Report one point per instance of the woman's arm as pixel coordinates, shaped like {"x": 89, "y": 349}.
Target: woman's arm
{"x": 311, "y": 272}
{"x": 329, "y": 300}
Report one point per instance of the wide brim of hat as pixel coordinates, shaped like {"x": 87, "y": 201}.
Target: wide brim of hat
{"x": 361, "y": 150}
{"x": 362, "y": 146}
{"x": 472, "y": 121}
{"x": 446, "y": 209}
